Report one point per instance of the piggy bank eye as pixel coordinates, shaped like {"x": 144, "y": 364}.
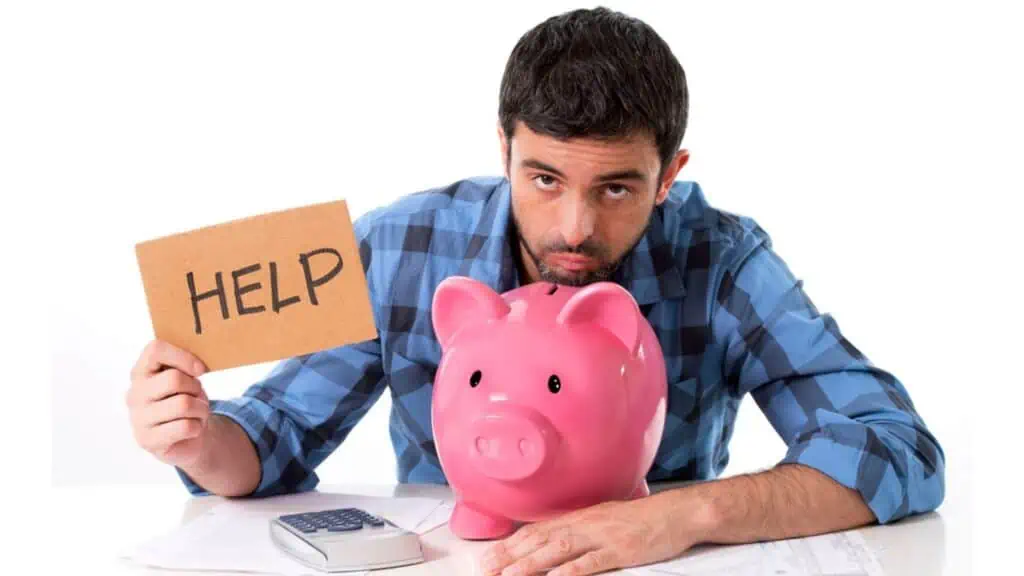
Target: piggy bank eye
{"x": 554, "y": 384}
{"x": 475, "y": 378}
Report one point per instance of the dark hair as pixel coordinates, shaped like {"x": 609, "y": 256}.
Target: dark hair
{"x": 597, "y": 74}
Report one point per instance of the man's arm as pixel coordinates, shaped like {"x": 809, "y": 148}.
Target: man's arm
{"x": 858, "y": 451}
{"x": 170, "y": 418}
{"x": 291, "y": 421}
{"x": 837, "y": 413}
{"x": 787, "y": 501}
{"x": 227, "y": 464}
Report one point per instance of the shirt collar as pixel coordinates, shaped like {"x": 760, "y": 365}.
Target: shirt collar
{"x": 650, "y": 272}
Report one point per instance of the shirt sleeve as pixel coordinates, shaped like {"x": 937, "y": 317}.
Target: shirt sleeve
{"x": 302, "y": 412}
{"x": 836, "y": 411}
{"x": 305, "y": 408}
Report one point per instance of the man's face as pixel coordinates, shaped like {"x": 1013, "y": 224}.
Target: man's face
{"x": 580, "y": 206}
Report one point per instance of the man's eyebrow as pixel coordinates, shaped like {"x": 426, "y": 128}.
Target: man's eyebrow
{"x": 531, "y": 163}
{"x": 631, "y": 174}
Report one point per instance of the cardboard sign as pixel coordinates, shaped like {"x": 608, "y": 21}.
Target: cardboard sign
{"x": 258, "y": 289}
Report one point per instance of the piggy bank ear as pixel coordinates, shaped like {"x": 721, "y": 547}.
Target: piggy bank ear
{"x": 459, "y": 301}
{"x": 609, "y": 306}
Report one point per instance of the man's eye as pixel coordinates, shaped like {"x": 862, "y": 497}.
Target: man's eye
{"x": 616, "y": 192}
{"x": 544, "y": 181}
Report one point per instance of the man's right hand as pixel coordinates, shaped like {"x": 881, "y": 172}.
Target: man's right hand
{"x": 168, "y": 408}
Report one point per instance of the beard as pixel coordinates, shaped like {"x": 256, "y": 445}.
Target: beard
{"x": 567, "y": 277}
{"x": 607, "y": 265}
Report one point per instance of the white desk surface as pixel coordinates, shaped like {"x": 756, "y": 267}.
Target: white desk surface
{"x": 104, "y": 521}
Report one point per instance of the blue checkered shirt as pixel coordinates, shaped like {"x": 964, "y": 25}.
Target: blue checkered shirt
{"x": 731, "y": 318}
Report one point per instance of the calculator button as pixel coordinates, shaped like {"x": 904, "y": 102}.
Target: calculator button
{"x": 347, "y": 527}
{"x": 338, "y": 520}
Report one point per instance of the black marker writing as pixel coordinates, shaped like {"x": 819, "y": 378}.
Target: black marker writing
{"x": 276, "y": 303}
{"x": 218, "y": 291}
{"x": 310, "y": 283}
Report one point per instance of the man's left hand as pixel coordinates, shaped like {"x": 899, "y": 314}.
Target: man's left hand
{"x": 608, "y": 536}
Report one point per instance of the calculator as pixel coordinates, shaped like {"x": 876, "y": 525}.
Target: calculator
{"x": 344, "y": 539}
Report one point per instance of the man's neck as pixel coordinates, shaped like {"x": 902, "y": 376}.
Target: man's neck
{"x": 525, "y": 268}
{"x": 526, "y": 271}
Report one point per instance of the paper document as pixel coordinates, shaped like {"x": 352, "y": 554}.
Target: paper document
{"x": 235, "y": 536}
{"x": 838, "y": 554}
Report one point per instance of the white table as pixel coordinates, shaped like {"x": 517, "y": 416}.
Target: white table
{"x": 105, "y": 520}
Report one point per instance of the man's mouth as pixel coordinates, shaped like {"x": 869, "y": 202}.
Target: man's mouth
{"x": 573, "y": 262}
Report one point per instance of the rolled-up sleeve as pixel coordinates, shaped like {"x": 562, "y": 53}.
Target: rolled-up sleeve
{"x": 836, "y": 411}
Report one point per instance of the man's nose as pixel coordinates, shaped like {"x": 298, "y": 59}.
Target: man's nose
{"x": 577, "y": 222}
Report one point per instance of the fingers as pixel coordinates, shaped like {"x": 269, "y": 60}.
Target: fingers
{"x": 558, "y": 549}
{"x": 500, "y": 554}
{"x": 592, "y": 562}
{"x": 532, "y": 538}
{"x": 528, "y": 537}
{"x": 161, "y": 437}
{"x": 166, "y": 384}
{"x": 534, "y": 548}
{"x": 167, "y": 405}
{"x": 159, "y": 355}
{"x": 167, "y": 408}
{"x": 177, "y": 407}
{"x": 159, "y": 425}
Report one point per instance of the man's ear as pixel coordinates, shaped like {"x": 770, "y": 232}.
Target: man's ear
{"x": 673, "y": 168}
{"x": 503, "y": 147}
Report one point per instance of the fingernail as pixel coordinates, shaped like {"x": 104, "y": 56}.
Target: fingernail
{"x": 199, "y": 368}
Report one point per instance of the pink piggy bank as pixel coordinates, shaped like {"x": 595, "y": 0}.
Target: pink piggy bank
{"x": 547, "y": 399}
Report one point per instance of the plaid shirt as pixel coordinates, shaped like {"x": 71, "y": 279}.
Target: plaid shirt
{"x": 731, "y": 318}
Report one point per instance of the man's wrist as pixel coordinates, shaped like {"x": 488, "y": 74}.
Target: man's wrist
{"x": 228, "y": 463}
{"x": 717, "y": 511}
{"x": 693, "y": 514}
{"x": 217, "y": 426}
{"x": 199, "y": 465}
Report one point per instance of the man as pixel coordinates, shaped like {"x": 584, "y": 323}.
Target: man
{"x": 593, "y": 107}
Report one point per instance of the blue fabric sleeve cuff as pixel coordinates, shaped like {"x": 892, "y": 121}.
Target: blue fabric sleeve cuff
{"x": 840, "y": 463}
{"x": 252, "y": 416}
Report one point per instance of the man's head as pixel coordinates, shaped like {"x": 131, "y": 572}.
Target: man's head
{"x": 592, "y": 112}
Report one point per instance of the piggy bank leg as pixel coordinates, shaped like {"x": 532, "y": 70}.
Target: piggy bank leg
{"x": 642, "y": 491}
{"x": 471, "y": 524}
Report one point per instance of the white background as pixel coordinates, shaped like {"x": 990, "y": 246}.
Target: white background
{"x": 878, "y": 143}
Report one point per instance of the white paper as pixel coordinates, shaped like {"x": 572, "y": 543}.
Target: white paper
{"x": 235, "y": 536}
{"x": 837, "y": 554}
{"x": 440, "y": 515}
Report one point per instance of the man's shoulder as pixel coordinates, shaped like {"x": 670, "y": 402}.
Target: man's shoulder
{"x": 428, "y": 231}
{"x": 690, "y": 219}
{"x": 462, "y": 199}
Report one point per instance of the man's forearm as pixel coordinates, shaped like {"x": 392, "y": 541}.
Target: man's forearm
{"x": 228, "y": 464}
{"x": 785, "y": 502}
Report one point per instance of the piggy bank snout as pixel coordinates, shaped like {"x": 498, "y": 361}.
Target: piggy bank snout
{"x": 510, "y": 444}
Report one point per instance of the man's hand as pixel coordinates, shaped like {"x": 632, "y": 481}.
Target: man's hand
{"x": 608, "y": 536}
{"x": 167, "y": 404}
{"x": 787, "y": 501}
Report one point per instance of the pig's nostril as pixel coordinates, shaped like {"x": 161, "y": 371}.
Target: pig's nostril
{"x": 482, "y": 446}
{"x": 525, "y": 447}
